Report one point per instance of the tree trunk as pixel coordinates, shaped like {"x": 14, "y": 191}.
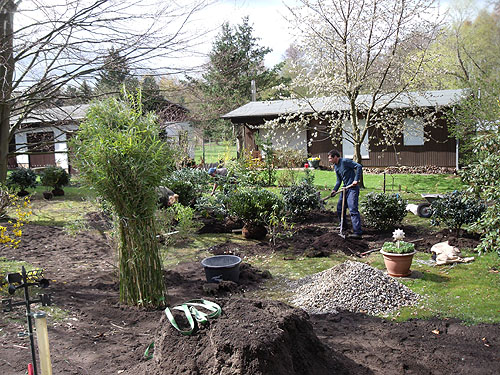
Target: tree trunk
{"x": 141, "y": 271}
{"x": 357, "y": 158}
{"x": 6, "y": 74}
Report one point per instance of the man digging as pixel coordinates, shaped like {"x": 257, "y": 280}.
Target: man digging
{"x": 348, "y": 172}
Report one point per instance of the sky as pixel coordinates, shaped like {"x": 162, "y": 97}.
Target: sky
{"x": 268, "y": 20}
{"x": 266, "y": 16}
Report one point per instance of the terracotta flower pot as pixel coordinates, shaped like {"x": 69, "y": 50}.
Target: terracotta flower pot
{"x": 254, "y": 231}
{"x": 398, "y": 265}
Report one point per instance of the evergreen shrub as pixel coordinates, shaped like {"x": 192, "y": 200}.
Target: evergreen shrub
{"x": 189, "y": 184}
{"x": 254, "y": 205}
{"x": 456, "y": 209}
{"x": 383, "y": 211}
{"x": 22, "y": 178}
{"x": 55, "y": 177}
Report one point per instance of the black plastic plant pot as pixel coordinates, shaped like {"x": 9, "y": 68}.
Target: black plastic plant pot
{"x": 222, "y": 267}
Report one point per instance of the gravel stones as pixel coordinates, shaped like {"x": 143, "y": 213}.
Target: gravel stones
{"x": 352, "y": 286}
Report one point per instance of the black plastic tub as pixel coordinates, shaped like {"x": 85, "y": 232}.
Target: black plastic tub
{"x": 222, "y": 267}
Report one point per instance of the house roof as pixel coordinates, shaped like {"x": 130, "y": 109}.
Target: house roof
{"x": 333, "y": 104}
{"x": 55, "y": 114}
{"x": 74, "y": 113}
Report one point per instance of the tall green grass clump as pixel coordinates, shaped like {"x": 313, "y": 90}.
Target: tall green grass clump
{"x": 119, "y": 153}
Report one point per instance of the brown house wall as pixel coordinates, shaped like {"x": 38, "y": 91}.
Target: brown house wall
{"x": 438, "y": 149}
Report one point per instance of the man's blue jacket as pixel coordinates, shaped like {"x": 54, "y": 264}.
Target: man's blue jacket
{"x": 347, "y": 172}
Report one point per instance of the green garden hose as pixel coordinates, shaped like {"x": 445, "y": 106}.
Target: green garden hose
{"x": 193, "y": 315}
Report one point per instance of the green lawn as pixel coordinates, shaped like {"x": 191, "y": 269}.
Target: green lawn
{"x": 470, "y": 291}
{"x": 215, "y": 152}
{"x": 408, "y": 185}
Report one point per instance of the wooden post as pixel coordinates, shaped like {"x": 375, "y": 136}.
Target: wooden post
{"x": 42, "y": 339}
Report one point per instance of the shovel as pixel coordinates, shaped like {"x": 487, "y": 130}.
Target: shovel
{"x": 344, "y": 189}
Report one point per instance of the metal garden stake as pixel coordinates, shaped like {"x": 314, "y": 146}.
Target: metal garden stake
{"x": 24, "y": 280}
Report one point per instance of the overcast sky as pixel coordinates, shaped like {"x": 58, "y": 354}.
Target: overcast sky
{"x": 266, "y": 16}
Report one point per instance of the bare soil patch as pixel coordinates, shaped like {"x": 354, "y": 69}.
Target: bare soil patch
{"x": 101, "y": 336}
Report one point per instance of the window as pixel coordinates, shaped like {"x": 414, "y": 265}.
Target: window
{"x": 413, "y": 132}
{"x": 348, "y": 147}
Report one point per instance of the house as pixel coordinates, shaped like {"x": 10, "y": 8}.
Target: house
{"x": 41, "y": 139}
{"x": 421, "y": 143}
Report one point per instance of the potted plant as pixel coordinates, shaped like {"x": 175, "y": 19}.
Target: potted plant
{"x": 398, "y": 255}
{"x": 23, "y": 178}
{"x": 55, "y": 177}
{"x": 314, "y": 162}
{"x": 254, "y": 206}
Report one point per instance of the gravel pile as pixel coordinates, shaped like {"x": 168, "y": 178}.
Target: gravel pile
{"x": 352, "y": 286}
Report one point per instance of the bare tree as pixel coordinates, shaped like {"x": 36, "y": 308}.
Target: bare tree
{"x": 47, "y": 44}
{"x": 364, "y": 55}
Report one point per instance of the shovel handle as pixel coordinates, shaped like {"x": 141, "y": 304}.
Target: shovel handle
{"x": 338, "y": 191}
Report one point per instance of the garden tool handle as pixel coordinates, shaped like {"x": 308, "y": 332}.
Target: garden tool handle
{"x": 338, "y": 191}
{"x": 342, "y": 189}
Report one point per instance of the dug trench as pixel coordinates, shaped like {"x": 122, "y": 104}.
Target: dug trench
{"x": 98, "y": 335}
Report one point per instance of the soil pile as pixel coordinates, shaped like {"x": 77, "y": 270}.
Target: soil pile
{"x": 251, "y": 337}
{"x": 352, "y": 286}
{"x": 331, "y": 242}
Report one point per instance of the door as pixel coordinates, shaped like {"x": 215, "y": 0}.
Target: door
{"x": 41, "y": 144}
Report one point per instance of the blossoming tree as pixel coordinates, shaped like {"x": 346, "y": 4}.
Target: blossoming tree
{"x": 351, "y": 48}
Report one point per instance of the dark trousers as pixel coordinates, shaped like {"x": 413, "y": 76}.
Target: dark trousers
{"x": 352, "y": 197}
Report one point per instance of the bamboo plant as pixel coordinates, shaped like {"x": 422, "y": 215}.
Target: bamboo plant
{"x": 119, "y": 153}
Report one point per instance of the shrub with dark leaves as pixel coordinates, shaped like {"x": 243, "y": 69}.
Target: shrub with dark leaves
{"x": 383, "y": 211}
{"x": 456, "y": 209}
{"x": 189, "y": 184}
{"x": 301, "y": 198}
{"x": 212, "y": 205}
{"x": 253, "y": 205}
{"x": 22, "y": 178}
{"x": 54, "y": 177}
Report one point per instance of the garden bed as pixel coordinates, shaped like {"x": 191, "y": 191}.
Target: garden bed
{"x": 97, "y": 335}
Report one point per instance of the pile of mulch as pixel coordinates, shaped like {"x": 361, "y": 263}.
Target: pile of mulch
{"x": 251, "y": 337}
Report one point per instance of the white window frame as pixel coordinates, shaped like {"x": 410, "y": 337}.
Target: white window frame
{"x": 413, "y": 132}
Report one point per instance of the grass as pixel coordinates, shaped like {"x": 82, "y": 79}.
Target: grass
{"x": 195, "y": 249}
{"x": 215, "y": 152}
{"x": 10, "y": 266}
{"x": 60, "y": 211}
{"x": 14, "y": 266}
{"x": 470, "y": 292}
{"x": 410, "y": 186}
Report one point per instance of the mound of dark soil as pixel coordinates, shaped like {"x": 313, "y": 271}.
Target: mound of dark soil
{"x": 331, "y": 242}
{"x": 319, "y": 216}
{"x": 251, "y": 337}
{"x": 213, "y": 225}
